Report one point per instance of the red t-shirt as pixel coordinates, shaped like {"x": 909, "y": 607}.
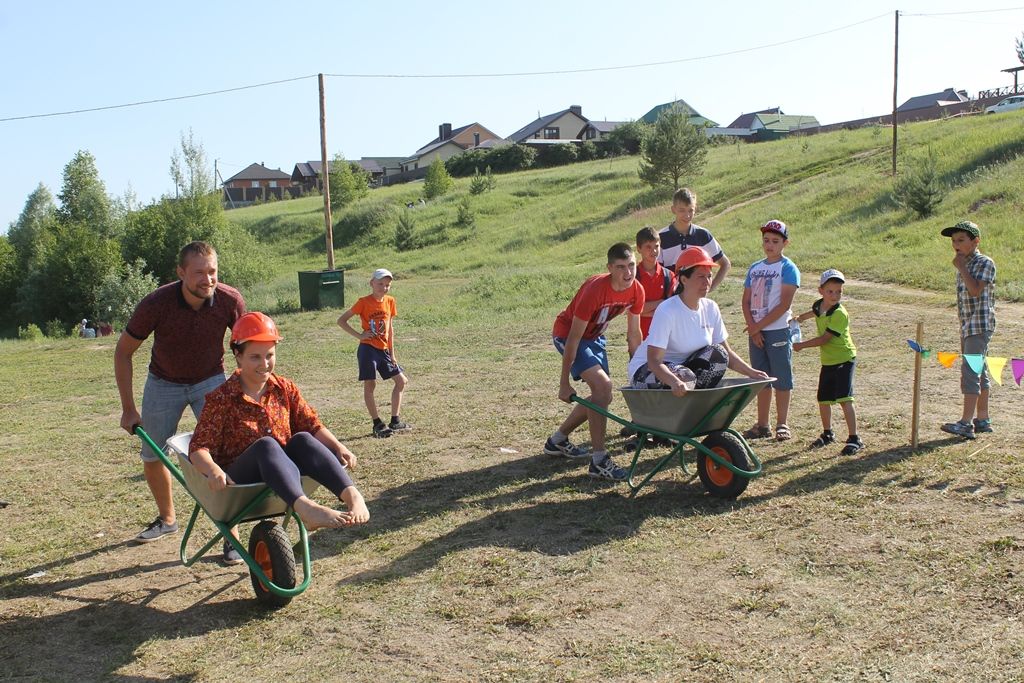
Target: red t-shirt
{"x": 654, "y": 289}
{"x": 597, "y": 303}
{"x": 188, "y": 345}
{"x": 376, "y": 316}
{"x": 231, "y": 421}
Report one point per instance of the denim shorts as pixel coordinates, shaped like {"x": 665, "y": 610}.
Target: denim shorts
{"x": 373, "y": 361}
{"x": 970, "y": 381}
{"x": 163, "y": 404}
{"x": 776, "y": 358}
{"x": 590, "y": 353}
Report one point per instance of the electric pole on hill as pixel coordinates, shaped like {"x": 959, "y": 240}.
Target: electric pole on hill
{"x": 324, "y": 176}
{"x": 895, "y": 77}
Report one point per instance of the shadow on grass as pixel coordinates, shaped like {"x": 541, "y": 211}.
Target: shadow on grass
{"x": 97, "y": 636}
{"x": 522, "y": 513}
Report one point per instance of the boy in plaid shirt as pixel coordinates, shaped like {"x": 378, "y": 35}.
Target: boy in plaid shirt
{"x": 976, "y": 307}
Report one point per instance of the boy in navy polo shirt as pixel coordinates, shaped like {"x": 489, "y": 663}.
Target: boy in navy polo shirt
{"x": 682, "y": 233}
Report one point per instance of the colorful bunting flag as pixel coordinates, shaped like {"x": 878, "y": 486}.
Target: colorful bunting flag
{"x": 1017, "y": 365}
{"x": 947, "y": 358}
{"x": 995, "y": 368}
{"x": 976, "y": 361}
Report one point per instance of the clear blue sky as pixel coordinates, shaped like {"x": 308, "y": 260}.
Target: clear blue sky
{"x": 63, "y": 55}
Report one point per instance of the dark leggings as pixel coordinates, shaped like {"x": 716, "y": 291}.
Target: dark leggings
{"x": 266, "y": 461}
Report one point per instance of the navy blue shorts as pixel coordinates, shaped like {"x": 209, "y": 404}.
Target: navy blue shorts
{"x": 374, "y": 361}
{"x": 590, "y": 353}
{"x": 835, "y": 383}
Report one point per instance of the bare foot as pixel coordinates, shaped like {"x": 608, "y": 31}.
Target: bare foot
{"x": 316, "y": 516}
{"x": 357, "y": 510}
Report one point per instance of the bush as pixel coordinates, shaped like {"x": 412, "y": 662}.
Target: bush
{"x": 919, "y": 188}
{"x": 119, "y": 293}
{"x": 405, "y": 233}
{"x": 557, "y": 155}
{"x": 468, "y": 163}
{"x": 479, "y": 184}
{"x": 363, "y": 222}
{"x": 588, "y": 151}
{"x": 30, "y": 332}
{"x": 348, "y": 182}
{"x": 626, "y": 139}
{"x": 512, "y": 158}
{"x": 438, "y": 182}
{"x": 466, "y": 218}
{"x": 56, "y": 329}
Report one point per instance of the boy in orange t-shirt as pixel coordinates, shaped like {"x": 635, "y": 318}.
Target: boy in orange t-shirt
{"x": 376, "y": 350}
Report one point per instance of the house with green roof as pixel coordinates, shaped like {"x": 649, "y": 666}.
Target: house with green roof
{"x": 694, "y": 117}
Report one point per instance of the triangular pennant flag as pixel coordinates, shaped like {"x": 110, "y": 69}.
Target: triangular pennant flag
{"x": 914, "y": 345}
{"x": 995, "y": 368}
{"x": 947, "y": 358}
{"x": 976, "y": 361}
{"x": 1017, "y": 366}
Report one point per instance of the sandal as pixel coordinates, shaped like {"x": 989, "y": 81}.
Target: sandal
{"x": 782, "y": 433}
{"x": 758, "y": 432}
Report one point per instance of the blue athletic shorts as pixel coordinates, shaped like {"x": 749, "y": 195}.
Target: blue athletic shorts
{"x": 776, "y": 358}
{"x": 590, "y": 352}
{"x": 835, "y": 382}
{"x": 374, "y": 361}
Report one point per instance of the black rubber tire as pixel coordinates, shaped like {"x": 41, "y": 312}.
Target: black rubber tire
{"x": 720, "y": 481}
{"x": 270, "y": 547}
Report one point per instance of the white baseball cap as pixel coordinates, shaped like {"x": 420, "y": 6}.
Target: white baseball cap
{"x": 381, "y": 273}
{"x": 832, "y": 274}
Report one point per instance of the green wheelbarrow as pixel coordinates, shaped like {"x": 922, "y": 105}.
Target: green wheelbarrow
{"x": 270, "y": 556}
{"x": 699, "y": 421}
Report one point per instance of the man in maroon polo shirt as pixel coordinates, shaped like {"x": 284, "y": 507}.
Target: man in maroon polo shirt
{"x": 187, "y": 319}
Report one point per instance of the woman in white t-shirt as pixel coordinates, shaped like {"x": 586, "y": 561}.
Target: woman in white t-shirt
{"x": 686, "y": 348}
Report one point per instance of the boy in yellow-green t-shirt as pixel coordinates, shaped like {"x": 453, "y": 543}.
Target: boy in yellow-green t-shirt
{"x": 838, "y": 358}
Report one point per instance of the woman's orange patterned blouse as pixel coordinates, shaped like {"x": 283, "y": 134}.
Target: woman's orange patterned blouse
{"x": 231, "y": 421}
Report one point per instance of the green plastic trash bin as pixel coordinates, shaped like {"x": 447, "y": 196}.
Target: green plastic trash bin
{"x": 321, "y": 289}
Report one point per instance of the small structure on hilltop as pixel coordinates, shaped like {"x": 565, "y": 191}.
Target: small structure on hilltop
{"x": 767, "y": 124}
{"x": 692, "y": 114}
{"x": 256, "y": 182}
{"x": 936, "y": 99}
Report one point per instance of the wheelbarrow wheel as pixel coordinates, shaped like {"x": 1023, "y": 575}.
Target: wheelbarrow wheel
{"x": 720, "y": 481}
{"x": 271, "y": 550}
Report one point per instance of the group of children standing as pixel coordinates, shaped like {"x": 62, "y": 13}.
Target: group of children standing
{"x": 772, "y": 329}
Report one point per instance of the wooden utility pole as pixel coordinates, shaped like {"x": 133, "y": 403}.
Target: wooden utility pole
{"x": 895, "y": 79}
{"x": 325, "y": 175}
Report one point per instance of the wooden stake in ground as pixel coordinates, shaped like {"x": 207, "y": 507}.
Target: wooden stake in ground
{"x": 916, "y": 413}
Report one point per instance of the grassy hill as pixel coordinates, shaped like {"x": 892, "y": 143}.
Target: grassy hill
{"x": 833, "y": 190}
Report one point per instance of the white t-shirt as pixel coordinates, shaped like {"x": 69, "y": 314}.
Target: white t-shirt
{"x": 680, "y": 330}
{"x": 765, "y": 280}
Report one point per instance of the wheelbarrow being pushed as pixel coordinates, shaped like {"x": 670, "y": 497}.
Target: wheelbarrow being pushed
{"x": 725, "y": 462}
{"x": 270, "y": 556}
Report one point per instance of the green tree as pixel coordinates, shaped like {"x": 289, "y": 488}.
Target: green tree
{"x": 919, "y": 187}
{"x": 405, "y": 233}
{"x": 671, "y": 150}
{"x": 478, "y": 184}
{"x": 626, "y": 139}
{"x": 8, "y": 285}
{"x": 1019, "y": 46}
{"x": 83, "y": 197}
{"x": 349, "y": 182}
{"x": 438, "y": 182}
{"x": 33, "y": 233}
{"x": 120, "y": 291}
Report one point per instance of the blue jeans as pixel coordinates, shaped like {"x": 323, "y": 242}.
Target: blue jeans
{"x": 163, "y": 404}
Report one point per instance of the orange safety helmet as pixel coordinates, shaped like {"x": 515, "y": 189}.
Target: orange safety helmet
{"x": 692, "y": 257}
{"x": 254, "y": 326}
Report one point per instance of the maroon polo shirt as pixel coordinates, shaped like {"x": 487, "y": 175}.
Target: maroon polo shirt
{"x": 188, "y": 345}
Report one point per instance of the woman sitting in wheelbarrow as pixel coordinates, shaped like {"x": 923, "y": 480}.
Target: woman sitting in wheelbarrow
{"x": 686, "y": 348}
{"x": 256, "y": 427}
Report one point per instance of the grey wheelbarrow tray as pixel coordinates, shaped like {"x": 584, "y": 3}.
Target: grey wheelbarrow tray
{"x": 725, "y": 461}
{"x": 236, "y": 504}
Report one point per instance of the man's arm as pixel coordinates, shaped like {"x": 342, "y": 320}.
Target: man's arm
{"x": 723, "y": 269}
{"x": 126, "y": 347}
{"x": 633, "y": 334}
{"x": 974, "y": 287}
{"x": 572, "y": 345}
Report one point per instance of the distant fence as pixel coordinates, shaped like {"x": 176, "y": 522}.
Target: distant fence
{"x": 243, "y": 196}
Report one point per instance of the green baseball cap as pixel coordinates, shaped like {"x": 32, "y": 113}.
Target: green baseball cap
{"x": 963, "y": 226}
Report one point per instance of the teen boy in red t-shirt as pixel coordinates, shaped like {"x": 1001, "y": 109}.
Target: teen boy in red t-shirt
{"x": 578, "y": 335}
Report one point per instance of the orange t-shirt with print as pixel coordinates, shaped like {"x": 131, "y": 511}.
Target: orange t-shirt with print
{"x": 376, "y": 317}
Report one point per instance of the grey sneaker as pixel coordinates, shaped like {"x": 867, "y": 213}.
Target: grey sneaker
{"x": 982, "y": 426}
{"x": 231, "y": 556}
{"x": 566, "y": 449}
{"x": 607, "y": 469}
{"x": 156, "y": 530}
{"x": 962, "y": 429}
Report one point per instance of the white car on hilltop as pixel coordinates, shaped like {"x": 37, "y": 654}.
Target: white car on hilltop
{"x": 1009, "y": 104}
